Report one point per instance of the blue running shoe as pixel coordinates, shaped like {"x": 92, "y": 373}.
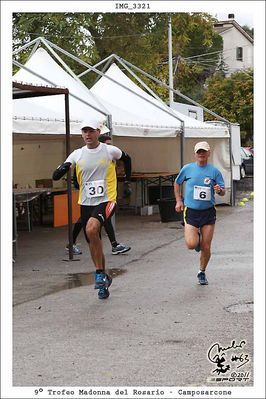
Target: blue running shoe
{"x": 99, "y": 280}
{"x": 102, "y": 280}
{"x": 103, "y": 292}
{"x": 202, "y": 278}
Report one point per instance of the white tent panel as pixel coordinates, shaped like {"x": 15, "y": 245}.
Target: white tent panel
{"x": 49, "y": 108}
{"x": 41, "y": 126}
{"x": 142, "y": 128}
{"x": 151, "y": 155}
{"x": 132, "y": 115}
{"x": 134, "y": 120}
{"x": 131, "y": 123}
{"x": 145, "y": 132}
{"x": 206, "y": 132}
{"x": 35, "y": 118}
{"x": 128, "y": 109}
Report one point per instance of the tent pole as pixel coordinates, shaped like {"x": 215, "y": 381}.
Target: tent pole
{"x": 74, "y": 76}
{"x": 25, "y": 46}
{"x": 61, "y": 61}
{"x": 133, "y": 66}
{"x": 176, "y": 91}
{"x": 69, "y": 189}
{"x": 98, "y": 64}
{"x": 182, "y": 138}
{"x": 53, "y": 84}
{"x": 140, "y": 81}
{"x": 232, "y": 196}
{"x": 170, "y": 63}
{"x": 34, "y": 73}
{"x": 103, "y": 70}
{"x": 182, "y": 142}
{"x": 109, "y": 124}
{"x": 113, "y": 80}
{"x": 34, "y": 49}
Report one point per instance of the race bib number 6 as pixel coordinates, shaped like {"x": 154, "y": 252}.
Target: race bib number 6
{"x": 202, "y": 193}
{"x": 95, "y": 188}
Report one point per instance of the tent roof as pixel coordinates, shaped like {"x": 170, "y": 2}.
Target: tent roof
{"x": 46, "y": 114}
{"x": 128, "y": 109}
{"x": 134, "y": 112}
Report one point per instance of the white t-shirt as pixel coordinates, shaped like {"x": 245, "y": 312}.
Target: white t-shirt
{"x": 96, "y": 173}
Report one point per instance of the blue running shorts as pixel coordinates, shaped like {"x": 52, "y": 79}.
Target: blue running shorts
{"x": 199, "y": 218}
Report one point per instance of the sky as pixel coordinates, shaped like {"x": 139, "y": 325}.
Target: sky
{"x": 241, "y": 17}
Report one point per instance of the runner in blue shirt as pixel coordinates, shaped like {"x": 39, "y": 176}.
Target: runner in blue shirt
{"x": 203, "y": 181}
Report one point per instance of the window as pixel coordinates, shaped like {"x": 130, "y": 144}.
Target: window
{"x": 192, "y": 114}
{"x": 239, "y": 53}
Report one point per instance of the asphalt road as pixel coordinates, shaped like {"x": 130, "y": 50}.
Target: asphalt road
{"x": 158, "y": 324}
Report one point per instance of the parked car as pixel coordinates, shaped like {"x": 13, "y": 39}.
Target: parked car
{"x": 246, "y": 167}
{"x": 251, "y": 149}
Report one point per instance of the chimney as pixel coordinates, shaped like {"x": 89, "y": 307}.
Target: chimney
{"x": 231, "y": 16}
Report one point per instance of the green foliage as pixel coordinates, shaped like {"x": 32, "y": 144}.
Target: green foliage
{"x": 63, "y": 29}
{"x": 140, "y": 38}
{"x": 248, "y": 30}
{"x": 198, "y": 47}
{"x": 232, "y": 98}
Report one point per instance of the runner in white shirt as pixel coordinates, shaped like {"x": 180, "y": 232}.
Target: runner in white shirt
{"x": 96, "y": 175}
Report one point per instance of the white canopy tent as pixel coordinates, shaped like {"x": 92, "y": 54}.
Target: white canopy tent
{"x": 157, "y": 137}
{"x": 45, "y": 115}
{"x": 151, "y": 136}
{"x": 39, "y": 122}
{"x": 133, "y": 116}
{"x": 135, "y": 110}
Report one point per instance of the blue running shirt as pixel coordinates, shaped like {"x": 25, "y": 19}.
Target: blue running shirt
{"x": 199, "y": 191}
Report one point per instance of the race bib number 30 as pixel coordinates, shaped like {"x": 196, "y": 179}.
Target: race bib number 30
{"x": 202, "y": 193}
{"x": 95, "y": 189}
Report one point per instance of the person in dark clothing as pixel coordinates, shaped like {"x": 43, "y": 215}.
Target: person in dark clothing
{"x": 117, "y": 248}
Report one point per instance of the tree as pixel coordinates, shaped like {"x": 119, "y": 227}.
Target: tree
{"x": 199, "y": 48}
{"x": 232, "y": 98}
{"x": 63, "y": 29}
{"x": 141, "y": 38}
{"x": 248, "y": 30}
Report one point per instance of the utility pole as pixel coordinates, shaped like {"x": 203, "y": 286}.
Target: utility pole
{"x": 170, "y": 62}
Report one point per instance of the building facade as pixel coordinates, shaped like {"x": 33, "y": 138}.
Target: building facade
{"x": 237, "y": 45}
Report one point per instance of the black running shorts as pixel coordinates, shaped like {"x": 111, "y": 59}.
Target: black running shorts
{"x": 102, "y": 212}
{"x": 199, "y": 218}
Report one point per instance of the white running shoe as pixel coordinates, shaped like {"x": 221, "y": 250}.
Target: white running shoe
{"x": 76, "y": 249}
{"x": 120, "y": 249}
